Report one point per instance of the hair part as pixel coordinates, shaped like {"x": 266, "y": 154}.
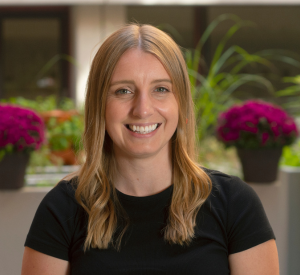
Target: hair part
{"x": 95, "y": 190}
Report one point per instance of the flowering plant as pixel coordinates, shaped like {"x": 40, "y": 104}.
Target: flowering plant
{"x": 256, "y": 124}
{"x": 20, "y": 130}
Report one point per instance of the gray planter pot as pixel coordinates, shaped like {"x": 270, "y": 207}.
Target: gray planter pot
{"x": 12, "y": 170}
{"x": 260, "y": 165}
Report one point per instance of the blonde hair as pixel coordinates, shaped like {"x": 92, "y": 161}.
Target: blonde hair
{"x": 95, "y": 190}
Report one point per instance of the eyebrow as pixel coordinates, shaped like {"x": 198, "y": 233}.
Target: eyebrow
{"x": 132, "y": 82}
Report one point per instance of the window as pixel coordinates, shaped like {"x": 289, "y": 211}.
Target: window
{"x": 33, "y": 52}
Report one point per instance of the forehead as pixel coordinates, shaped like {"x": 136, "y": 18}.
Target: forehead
{"x": 138, "y": 63}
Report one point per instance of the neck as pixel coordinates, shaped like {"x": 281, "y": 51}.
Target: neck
{"x": 143, "y": 176}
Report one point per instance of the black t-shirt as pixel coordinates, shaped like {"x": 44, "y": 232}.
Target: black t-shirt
{"x": 231, "y": 220}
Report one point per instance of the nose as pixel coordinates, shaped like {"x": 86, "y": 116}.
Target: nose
{"x": 142, "y": 105}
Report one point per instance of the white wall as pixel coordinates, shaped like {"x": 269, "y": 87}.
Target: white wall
{"x": 282, "y": 205}
{"x": 17, "y": 209}
{"x": 90, "y": 26}
{"x": 275, "y": 201}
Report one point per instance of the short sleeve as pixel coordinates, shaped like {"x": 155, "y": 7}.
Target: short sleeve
{"x": 53, "y": 225}
{"x": 247, "y": 222}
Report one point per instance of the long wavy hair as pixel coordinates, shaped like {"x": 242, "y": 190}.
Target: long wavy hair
{"x": 95, "y": 192}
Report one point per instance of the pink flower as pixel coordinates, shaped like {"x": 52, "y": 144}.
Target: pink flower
{"x": 256, "y": 123}
{"x": 265, "y": 137}
{"x": 20, "y": 127}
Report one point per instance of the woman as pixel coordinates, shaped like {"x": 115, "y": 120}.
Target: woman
{"x": 140, "y": 203}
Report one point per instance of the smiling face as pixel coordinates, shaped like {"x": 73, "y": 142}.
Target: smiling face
{"x": 141, "y": 108}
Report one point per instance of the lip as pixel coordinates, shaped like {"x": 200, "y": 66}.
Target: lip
{"x": 142, "y": 124}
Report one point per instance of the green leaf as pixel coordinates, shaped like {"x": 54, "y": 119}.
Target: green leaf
{"x": 292, "y": 90}
{"x": 295, "y": 79}
{"x": 291, "y": 155}
{"x": 284, "y": 56}
{"x": 213, "y": 25}
{"x": 245, "y": 78}
{"x": 2, "y": 154}
{"x": 223, "y": 42}
{"x": 9, "y": 148}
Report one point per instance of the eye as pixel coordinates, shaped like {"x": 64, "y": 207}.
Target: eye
{"x": 123, "y": 92}
{"x": 161, "y": 90}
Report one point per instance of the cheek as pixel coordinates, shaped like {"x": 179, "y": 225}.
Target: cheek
{"x": 112, "y": 112}
{"x": 115, "y": 114}
{"x": 170, "y": 112}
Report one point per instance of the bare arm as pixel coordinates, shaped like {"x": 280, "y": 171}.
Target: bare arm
{"x": 37, "y": 263}
{"x": 258, "y": 260}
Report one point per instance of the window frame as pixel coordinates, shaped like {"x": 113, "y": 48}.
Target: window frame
{"x": 62, "y": 13}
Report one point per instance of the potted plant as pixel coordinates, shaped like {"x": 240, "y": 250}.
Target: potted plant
{"x": 220, "y": 82}
{"x": 258, "y": 130}
{"x": 64, "y": 127}
{"x": 64, "y": 137}
{"x": 215, "y": 83}
{"x": 21, "y": 132}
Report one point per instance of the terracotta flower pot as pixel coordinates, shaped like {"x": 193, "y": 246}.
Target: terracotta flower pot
{"x": 60, "y": 115}
{"x": 12, "y": 170}
{"x": 68, "y": 156}
{"x": 260, "y": 165}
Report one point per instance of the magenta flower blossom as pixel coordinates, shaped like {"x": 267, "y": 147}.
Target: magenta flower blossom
{"x": 256, "y": 124}
{"x": 22, "y": 128}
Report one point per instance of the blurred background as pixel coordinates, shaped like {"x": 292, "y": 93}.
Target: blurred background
{"x": 236, "y": 50}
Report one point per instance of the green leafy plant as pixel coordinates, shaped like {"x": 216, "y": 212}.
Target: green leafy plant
{"x": 66, "y": 134}
{"x": 291, "y": 155}
{"x": 291, "y": 94}
{"x": 213, "y": 91}
{"x": 40, "y": 158}
{"x": 42, "y": 104}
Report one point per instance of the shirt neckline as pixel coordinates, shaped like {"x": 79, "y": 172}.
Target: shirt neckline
{"x": 165, "y": 194}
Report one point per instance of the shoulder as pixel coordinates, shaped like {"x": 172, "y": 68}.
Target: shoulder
{"x": 64, "y": 190}
{"x": 235, "y": 205}
{"x": 55, "y": 221}
{"x": 60, "y": 200}
{"x": 233, "y": 197}
{"x": 228, "y": 185}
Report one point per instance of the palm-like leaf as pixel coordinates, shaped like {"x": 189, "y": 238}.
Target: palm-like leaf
{"x": 212, "y": 93}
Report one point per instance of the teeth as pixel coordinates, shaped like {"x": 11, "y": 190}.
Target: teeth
{"x": 143, "y": 130}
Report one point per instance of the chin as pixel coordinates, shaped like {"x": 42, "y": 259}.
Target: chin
{"x": 143, "y": 153}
